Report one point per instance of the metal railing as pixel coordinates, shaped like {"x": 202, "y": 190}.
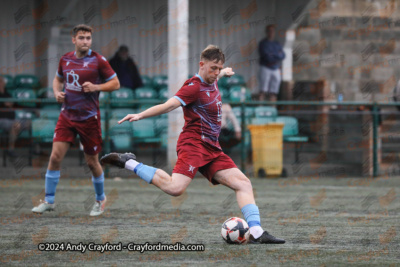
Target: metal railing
{"x": 373, "y": 110}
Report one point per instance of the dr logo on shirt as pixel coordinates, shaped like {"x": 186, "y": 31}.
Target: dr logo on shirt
{"x": 72, "y": 81}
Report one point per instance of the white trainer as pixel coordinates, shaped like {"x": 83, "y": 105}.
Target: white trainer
{"x": 98, "y": 207}
{"x": 44, "y": 206}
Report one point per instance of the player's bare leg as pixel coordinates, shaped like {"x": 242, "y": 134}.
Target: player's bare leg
{"x": 98, "y": 183}
{"x": 94, "y": 165}
{"x": 262, "y": 96}
{"x": 57, "y": 155}
{"x": 237, "y": 181}
{"x": 173, "y": 185}
{"x": 52, "y": 176}
{"x": 272, "y": 97}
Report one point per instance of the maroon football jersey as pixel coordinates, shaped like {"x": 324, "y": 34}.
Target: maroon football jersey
{"x": 202, "y": 112}
{"x": 93, "y": 68}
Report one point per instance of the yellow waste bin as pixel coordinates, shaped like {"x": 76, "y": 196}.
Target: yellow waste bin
{"x": 267, "y": 145}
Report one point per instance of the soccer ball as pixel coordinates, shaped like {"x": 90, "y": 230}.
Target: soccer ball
{"x": 235, "y": 231}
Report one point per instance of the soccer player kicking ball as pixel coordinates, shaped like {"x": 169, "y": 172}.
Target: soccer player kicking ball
{"x": 81, "y": 73}
{"x": 198, "y": 148}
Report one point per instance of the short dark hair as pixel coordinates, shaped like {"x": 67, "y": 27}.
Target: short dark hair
{"x": 212, "y": 53}
{"x": 269, "y": 26}
{"x": 81, "y": 27}
{"x": 123, "y": 48}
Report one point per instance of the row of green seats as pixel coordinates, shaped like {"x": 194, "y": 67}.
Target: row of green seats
{"x": 266, "y": 114}
{"x": 155, "y": 130}
{"x": 229, "y": 82}
{"x": 235, "y": 94}
{"x": 157, "y": 82}
{"x": 161, "y": 81}
{"x": 21, "y": 81}
{"x": 122, "y": 136}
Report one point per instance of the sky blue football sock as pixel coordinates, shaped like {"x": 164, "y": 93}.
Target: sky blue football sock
{"x": 251, "y": 215}
{"x": 145, "y": 172}
{"x": 52, "y": 178}
{"x": 98, "y": 183}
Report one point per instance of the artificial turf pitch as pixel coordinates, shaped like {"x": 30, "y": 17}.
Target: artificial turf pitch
{"x": 326, "y": 222}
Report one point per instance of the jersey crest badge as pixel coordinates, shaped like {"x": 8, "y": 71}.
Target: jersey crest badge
{"x": 191, "y": 168}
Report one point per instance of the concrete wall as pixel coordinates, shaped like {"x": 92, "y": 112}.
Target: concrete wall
{"x": 351, "y": 44}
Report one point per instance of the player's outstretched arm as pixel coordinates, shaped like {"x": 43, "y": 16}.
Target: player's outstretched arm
{"x": 166, "y": 107}
{"x": 226, "y": 72}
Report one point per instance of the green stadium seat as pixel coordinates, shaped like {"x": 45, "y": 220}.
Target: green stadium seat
{"x": 222, "y": 82}
{"x": 261, "y": 121}
{"x": 51, "y": 114}
{"x": 224, "y": 94}
{"x": 290, "y": 133}
{"x": 116, "y": 128}
{"x": 295, "y": 139}
{"x": 161, "y": 125}
{"x": 121, "y": 142}
{"x": 144, "y": 107}
{"x": 103, "y": 128}
{"x": 144, "y": 128}
{"x": 43, "y": 130}
{"x": 248, "y": 113}
{"x": 103, "y": 112}
{"x": 121, "y": 96}
{"x": 9, "y": 81}
{"x": 145, "y": 93}
{"x": 147, "y": 81}
{"x": 103, "y": 97}
{"x": 23, "y": 94}
{"x": 24, "y": 115}
{"x": 164, "y": 140}
{"x": 261, "y": 112}
{"x": 26, "y": 81}
{"x": 47, "y": 94}
{"x": 291, "y": 129}
{"x": 120, "y": 134}
{"x": 160, "y": 81}
{"x": 52, "y": 106}
{"x": 235, "y": 80}
{"x": 163, "y": 94}
{"x": 236, "y": 93}
{"x": 291, "y": 125}
{"x": 144, "y": 131}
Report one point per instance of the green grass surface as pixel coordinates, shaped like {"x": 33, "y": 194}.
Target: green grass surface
{"x": 331, "y": 222}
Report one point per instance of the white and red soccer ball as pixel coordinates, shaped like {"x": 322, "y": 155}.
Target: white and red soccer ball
{"x": 235, "y": 231}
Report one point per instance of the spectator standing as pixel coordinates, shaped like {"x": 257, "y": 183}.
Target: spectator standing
{"x": 126, "y": 69}
{"x": 271, "y": 55}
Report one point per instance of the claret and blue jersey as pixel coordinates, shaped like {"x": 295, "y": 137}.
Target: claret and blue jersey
{"x": 94, "y": 68}
{"x": 202, "y": 110}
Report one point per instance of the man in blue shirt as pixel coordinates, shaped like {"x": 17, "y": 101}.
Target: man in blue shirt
{"x": 271, "y": 56}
